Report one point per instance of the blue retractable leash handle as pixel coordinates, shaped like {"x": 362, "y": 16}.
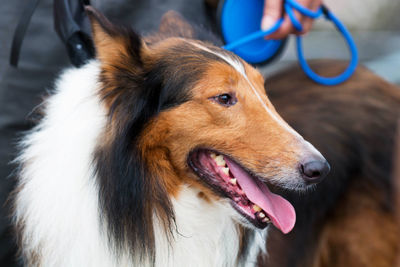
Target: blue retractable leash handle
{"x": 255, "y": 40}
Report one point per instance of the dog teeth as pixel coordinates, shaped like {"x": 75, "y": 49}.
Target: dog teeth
{"x": 233, "y": 181}
{"x": 213, "y": 155}
{"x": 225, "y": 171}
{"x": 256, "y": 208}
{"x": 261, "y": 215}
{"x": 265, "y": 220}
{"x": 237, "y": 199}
{"x": 220, "y": 161}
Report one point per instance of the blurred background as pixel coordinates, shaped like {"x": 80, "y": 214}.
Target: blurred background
{"x": 375, "y": 26}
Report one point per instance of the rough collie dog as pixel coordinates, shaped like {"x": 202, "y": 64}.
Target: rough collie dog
{"x": 350, "y": 217}
{"x": 164, "y": 151}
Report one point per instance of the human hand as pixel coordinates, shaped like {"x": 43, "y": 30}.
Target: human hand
{"x": 273, "y": 10}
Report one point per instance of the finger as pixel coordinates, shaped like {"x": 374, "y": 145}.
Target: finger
{"x": 307, "y": 22}
{"x": 307, "y": 25}
{"x": 284, "y": 30}
{"x": 287, "y": 27}
{"x": 272, "y": 13}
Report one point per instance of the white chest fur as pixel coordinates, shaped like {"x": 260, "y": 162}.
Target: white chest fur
{"x": 206, "y": 235}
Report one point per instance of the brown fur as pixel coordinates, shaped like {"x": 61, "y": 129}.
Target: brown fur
{"x": 359, "y": 232}
{"x": 117, "y": 49}
{"x": 396, "y": 178}
{"x": 243, "y": 131}
{"x": 349, "y": 220}
{"x": 172, "y": 24}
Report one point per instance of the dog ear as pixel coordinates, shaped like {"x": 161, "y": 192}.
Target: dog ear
{"x": 174, "y": 24}
{"x": 113, "y": 42}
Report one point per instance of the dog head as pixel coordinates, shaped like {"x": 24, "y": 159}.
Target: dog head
{"x": 183, "y": 112}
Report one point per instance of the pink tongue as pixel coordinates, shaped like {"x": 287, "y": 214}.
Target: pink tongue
{"x": 278, "y": 209}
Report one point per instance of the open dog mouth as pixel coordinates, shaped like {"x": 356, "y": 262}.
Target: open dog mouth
{"x": 249, "y": 195}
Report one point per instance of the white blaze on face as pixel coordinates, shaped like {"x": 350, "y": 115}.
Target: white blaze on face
{"x": 238, "y": 66}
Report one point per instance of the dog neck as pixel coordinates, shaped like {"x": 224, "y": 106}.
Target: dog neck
{"x": 207, "y": 235}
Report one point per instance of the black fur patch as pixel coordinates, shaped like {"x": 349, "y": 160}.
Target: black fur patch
{"x": 130, "y": 195}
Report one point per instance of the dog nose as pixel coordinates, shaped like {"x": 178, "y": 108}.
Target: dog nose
{"x": 314, "y": 171}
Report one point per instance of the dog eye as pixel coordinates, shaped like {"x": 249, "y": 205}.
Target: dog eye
{"x": 225, "y": 99}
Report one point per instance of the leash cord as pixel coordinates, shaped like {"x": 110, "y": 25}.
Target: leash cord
{"x": 290, "y": 6}
{"x": 20, "y": 31}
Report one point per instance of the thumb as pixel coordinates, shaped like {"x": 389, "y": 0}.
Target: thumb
{"x": 271, "y": 13}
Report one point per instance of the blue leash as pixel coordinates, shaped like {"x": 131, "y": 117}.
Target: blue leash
{"x": 289, "y": 6}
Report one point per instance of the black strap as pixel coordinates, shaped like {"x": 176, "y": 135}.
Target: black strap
{"x": 21, "y": 30}
{"x": 325, "y": 9}
{"x": 71, "y": 25}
